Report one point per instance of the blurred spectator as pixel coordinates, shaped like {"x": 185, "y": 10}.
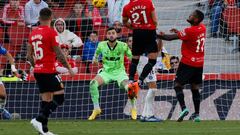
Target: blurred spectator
{"x": 163, "y": 61}
{"x": 115, "y": 8}
{"x": 22, "y": 55}
{"x": 215, "y": 15}
{"x": 238, "y": 3}
{"x": 217, "y": 7}
{"x": 174, "y": 62}
{"x": 65, "y": 37}
{"x": 130, "y": 40}
{"x": 89, "y": 49}
{"x": 79, "y": 22}
{"x": 118, "y": 27}
{"x": 32, "y": 9}
{"x": 97, "y": 14}
{"x": 13, "y": 14}
{"x": 3, "y": 2}
{"x": 60, "y": 68}
{"x": 55, "y": 3}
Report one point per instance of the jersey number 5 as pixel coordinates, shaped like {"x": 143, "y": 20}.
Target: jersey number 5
{"x": 136, "y": 17}
{"x": 38, "y": 51}
{"x": 200, "y": 45}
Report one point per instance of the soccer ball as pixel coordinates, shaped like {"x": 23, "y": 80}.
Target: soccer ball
{"x": 99, "y": 3}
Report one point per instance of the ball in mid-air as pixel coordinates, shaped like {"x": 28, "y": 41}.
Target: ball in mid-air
{"x": 99, "y": 3}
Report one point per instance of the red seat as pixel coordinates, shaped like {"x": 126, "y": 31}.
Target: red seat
{"x": 101, "y": 32}
{"x": 232, "y": 17}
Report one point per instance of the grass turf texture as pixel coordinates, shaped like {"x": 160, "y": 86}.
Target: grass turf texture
{"x": 126, "y": 127}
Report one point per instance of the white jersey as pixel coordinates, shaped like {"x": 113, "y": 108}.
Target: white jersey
{"x": 152, "y": 75}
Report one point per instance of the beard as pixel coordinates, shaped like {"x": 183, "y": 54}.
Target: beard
{"x": 190, "y": 21}
{"x": 112, "y": 40}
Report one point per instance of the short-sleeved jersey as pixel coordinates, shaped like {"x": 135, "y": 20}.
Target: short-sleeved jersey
{"x": 139, "y": 13}
{"x": 42, "y": 40}
{"x": 193, "y": 40}
{"x": 113, "y": 58}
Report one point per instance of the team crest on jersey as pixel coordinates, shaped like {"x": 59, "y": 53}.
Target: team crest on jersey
{"x": 150, "y": 77}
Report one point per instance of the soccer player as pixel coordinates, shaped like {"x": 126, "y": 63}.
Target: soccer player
{"x": 190, "y": 69}
{"x": 42, "y": 52}
{"x": 113, "y": 52}
{"x": 3, "y": 94}
{"x": 140, "y": 16}
{"x": 151, "y": 80}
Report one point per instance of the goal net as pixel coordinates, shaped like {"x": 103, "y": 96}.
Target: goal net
{"x": 219, "y": 92}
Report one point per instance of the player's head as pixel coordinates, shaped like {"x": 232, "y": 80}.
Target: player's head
{"x": 196, "y": 17}
{"x": 45, "y": 15}
{"x": 111, "y": 34}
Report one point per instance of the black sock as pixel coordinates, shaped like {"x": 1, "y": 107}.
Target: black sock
{"x": 180, "y": 97}
{"x": 133, "y": 68}
{"x": 147, "y": 69}
{"x": 44, "y": 113}
{"x": 196, "y": 100}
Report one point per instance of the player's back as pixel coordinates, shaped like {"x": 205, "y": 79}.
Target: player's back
{"x": 140, "y": 14}
{"x": 42, "y": 40}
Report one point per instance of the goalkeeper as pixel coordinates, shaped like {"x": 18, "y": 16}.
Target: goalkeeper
{"x": 113, "y": 53}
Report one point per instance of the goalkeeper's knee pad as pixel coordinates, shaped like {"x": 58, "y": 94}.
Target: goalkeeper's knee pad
{"x": 58, "y": 99}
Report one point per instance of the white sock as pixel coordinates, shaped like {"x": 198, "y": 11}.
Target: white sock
{"x": 96, "y": 106}
{"x": 148, "y": 106}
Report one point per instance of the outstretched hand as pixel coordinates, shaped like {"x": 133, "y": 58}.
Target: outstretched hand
{"x": 173, "y": 30}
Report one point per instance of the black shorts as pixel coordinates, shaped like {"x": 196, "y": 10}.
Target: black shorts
{"x": 48, "y": 82}
{"x": 188, "y": 75}
{"x": 144, "y": 41}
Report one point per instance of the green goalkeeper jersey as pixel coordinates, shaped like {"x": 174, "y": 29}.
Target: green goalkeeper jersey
{"x": 113, "y": 57}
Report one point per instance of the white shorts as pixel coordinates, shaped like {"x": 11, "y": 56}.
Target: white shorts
{"x": 152, "y": 75}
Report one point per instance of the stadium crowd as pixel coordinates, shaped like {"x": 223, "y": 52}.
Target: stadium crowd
{"x": 82, "y": 27}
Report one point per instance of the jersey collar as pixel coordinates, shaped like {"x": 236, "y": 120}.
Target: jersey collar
{"x": 111, "y": 49}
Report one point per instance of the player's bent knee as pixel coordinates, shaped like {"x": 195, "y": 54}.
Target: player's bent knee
{"x": 152, "y": 62}
{"x": 59, "y": 99}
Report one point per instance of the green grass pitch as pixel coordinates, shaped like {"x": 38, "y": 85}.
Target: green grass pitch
{"x": 124, "y": 127}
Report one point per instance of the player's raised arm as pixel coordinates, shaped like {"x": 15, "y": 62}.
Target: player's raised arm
{"x": 30, "y": 57}
{"x": 168, "y": 37}
{"x": 61, "y": 58}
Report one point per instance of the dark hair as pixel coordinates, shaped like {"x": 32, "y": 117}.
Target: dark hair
{"x": 173, "y": 58}
{"x": 200, "y": 15}
{"x": 45, "y": 14}
{"x": 93, "y": 32}
{"x": 111, "y": 28}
